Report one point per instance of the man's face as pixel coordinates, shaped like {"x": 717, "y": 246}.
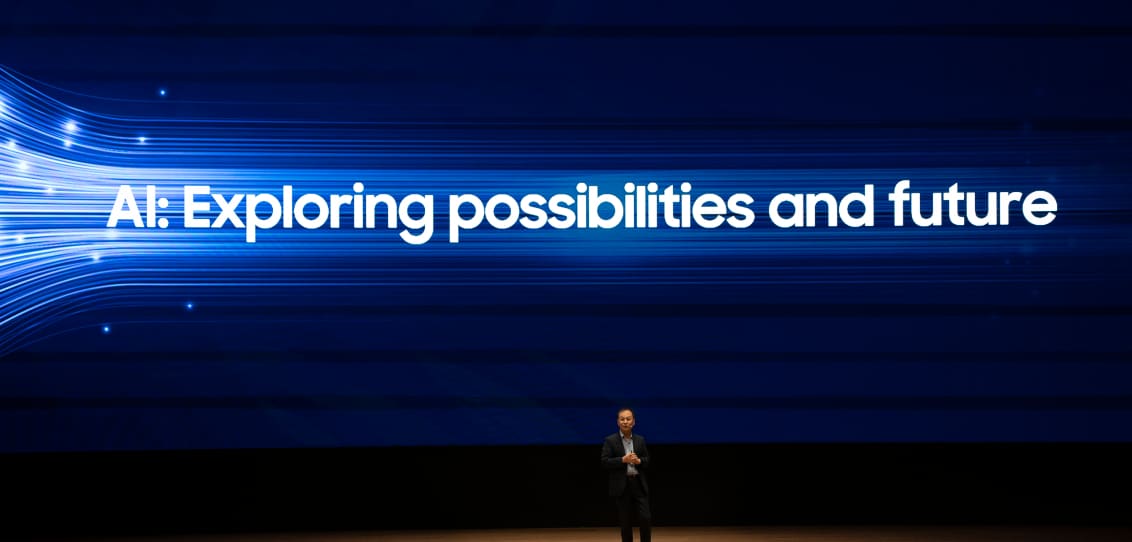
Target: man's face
{"x": 625, "y": 421}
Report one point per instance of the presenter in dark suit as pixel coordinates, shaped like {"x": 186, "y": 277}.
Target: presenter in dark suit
{"x": 626, "y": 458}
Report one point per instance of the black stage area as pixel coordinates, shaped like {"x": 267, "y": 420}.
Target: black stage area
{"x": 701, "y": 534}
{"x": 452, "y": 489}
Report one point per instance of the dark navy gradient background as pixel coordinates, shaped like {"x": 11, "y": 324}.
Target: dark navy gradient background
{"x": 949, "y": 334}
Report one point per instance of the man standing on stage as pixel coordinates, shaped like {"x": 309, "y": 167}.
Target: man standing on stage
{"x": 626, "y": 458}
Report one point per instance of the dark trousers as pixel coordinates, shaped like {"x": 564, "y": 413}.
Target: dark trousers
{"x": 634, "y": 498}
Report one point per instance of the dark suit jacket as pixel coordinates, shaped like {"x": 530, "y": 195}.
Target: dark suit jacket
{"x": 611, "y": 453}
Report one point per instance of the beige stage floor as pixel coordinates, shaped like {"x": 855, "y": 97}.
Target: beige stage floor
{"x": 692, "y": 534}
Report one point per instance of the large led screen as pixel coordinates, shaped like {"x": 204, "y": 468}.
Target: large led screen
{"x": 388, "y": 226}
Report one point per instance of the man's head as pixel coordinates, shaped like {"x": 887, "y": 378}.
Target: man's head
{"x": 626, "y": 420}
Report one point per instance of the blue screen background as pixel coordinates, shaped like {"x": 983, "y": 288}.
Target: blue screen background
{"x": 184, "y": 339}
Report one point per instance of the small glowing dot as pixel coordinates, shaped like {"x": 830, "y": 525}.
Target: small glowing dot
{"x": 71, "y": 127}
{"x": 24, "y": 165}
{"x": 189, "y": 306}
{"x": 67, "y": 143}
{"x": 19, "y": 238}
{"x": 11, "y": 144}
{"x": 161, "y": 92}
{"x": 49, "y": 190}
{"x": 96, "y": 256}
{"x": 106, "y": 329}
{"x": 141, "y": 140}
